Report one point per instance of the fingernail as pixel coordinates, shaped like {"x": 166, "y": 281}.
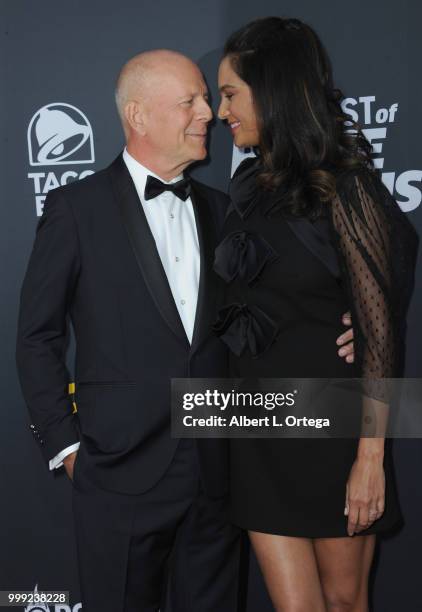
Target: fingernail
{"x": 342, "y": 352}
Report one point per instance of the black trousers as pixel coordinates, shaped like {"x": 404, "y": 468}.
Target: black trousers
{"x": 170, "y": 548}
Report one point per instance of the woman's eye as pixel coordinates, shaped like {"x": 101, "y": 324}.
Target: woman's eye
{"x": 188, "y": 102}
{"x": 228, "y": 96}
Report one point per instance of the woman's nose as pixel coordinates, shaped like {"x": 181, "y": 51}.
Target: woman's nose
{"x": 222, "y": 112}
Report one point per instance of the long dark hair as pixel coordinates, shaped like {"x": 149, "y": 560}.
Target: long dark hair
{"x": 303, "y": 140}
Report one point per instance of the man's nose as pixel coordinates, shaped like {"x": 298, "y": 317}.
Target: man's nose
{"x": 206, "y": 112}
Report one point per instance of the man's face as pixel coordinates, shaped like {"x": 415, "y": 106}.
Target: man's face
{"x": 177, "y": 115}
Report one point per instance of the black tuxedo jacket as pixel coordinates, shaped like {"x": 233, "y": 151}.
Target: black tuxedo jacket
{"x": 94, "y": 260}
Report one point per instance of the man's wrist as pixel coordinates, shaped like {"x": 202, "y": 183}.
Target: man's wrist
{"x": 57, "y": 461}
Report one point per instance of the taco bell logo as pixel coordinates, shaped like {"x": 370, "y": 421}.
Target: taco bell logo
{"x": 59, "y": 134}
{"x": 38, "y": 607}
{"x": 43, "y": 607}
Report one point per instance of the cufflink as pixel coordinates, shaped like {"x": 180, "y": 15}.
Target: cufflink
{"x": 36, "y": 433}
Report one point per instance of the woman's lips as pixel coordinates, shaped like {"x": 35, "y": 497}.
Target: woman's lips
{"x": 234, "y": 125}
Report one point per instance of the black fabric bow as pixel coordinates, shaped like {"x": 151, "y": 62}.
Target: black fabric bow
{"x": 243, "y": 254}
{"x": 154, "y": 187}
{"x": 240, "y": 326}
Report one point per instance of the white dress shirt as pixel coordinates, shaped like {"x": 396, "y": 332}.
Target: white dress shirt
{"x": 172, "y": 223}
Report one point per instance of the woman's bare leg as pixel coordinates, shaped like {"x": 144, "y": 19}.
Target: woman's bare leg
{"x": 344, "y": 565}
{"x": 290, "y": 572}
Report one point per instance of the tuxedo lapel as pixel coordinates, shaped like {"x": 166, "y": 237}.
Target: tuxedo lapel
{"x": 144, "y": 247}
{"x": 316, "y": 237}
{"x": 208, "y": 281}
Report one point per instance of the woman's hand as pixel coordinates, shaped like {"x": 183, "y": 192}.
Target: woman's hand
{"x": 345, "y": 341}
{"x": 365, "y": 493}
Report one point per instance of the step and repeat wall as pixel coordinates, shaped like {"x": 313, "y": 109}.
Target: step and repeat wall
{"x": 59, "y": 62}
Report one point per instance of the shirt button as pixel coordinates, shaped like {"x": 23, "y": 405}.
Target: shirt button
{"x": 183, "y": 302}
{"x": 171, "y": 216}
{"x": 177, "y": 258}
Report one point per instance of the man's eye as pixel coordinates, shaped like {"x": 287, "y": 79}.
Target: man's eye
{"x": 188, "y": 102}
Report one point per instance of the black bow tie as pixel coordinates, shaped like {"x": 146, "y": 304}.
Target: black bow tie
{"x": 154, "y": 187}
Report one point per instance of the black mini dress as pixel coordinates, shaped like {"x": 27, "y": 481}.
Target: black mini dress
{"x": 288, "y": 281}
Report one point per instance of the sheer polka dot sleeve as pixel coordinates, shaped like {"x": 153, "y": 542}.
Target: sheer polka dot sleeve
{"x": 363, "y": 234}
{"x": 363, "y": 237}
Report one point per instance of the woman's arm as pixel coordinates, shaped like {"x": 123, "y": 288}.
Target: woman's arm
{"x": 363, "y": 233}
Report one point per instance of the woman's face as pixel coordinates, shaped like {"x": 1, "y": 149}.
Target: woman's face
{"x": 237, "y": 107}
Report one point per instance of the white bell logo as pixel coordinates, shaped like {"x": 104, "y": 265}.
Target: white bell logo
{"x": 37, "y": 607}
{"x": 60, "y": 134}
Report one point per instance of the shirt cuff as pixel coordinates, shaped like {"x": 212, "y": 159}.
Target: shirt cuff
{"x": 57, "y": 461}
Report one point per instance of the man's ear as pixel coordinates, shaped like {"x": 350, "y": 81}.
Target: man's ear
{"x": 135, "y": 116}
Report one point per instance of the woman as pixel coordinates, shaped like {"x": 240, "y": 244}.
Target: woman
{"x": 310, "y": 233}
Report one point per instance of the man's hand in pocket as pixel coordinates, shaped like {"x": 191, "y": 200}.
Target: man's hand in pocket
{"x": 68, "y": 463}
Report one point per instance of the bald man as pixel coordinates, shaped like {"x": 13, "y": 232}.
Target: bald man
{"x": 126, "y": 254}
